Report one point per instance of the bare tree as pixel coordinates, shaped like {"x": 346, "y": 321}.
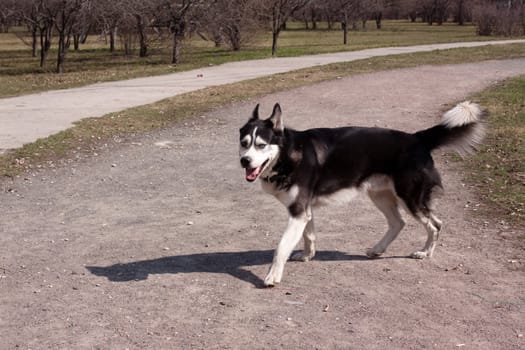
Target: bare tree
{"x": 277, "y": 13}
{"x": 68, "y": 14}
{"x": 435, "y": 11}
{"x": 42, "y": 15}
{"x": 410, "y": 8}
{"x": 127, "y": 33}
{"x": 312, "y": 13}
{"x": 346, "y": 7}
{"x": 142, "y": 12}
{"x": 349, "y": 12}
{"x": 461, "y": 11}
{"x": 83, "y": 25}
{"x": 329, "y": 14}
{"x": 26, "y": 13}
{"x": 233, "y": 21}
{"x": 109, "y": 16}
{"x": 375, "y": 10}
{"x": 129, "y": 20}
{"x": 7, "y": 14}
{"x": 176, "y": 16}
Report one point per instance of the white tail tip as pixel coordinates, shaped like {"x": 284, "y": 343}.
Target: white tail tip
{"x": 462, "y": 114}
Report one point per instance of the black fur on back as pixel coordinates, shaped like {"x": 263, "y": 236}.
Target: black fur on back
{"x": 328, "y": 160}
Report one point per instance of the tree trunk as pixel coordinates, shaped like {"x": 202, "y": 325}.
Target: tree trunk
{"x": 236, "y": 38}
{"x": 112, "y": 39}
{"x": 176, "y": 49}
{"x": 461, "y": 12}
{"x": 4, "y": 26}
{"x": 379, "y": 17}
{"x": 33, "y": 42}
{"x": 61, "y": 53}
{"x": 143, "y": 52}
{"x": 43, "y": 52}
{"x": 64, "y": 42}
{"x": 76, "y": 41}
{"x": 344, "y": 25}
{"x": 45, "y": 43}
{"x": 522, "y": 16}
{"x": 217, "y": 38}
{"x": 127, "y": 38}
{"x": 275, "y": 36}
{"x": 83, "y": 36}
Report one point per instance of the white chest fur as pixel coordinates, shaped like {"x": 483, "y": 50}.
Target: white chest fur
{"x": 286, "y": 197}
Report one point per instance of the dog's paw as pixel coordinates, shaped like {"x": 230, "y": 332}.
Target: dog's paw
{"x": 273, "y": 277}
{"x": 302, "y": 256}
{"x": 270, "y": 281}
{"x": 374, "y": 253}
{"x": 420, "y": 254}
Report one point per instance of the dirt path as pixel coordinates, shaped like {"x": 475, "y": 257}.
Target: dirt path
{"x": 162, "y": 245}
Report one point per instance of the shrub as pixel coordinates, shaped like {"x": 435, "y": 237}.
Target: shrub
{"x": 500, "y": 19}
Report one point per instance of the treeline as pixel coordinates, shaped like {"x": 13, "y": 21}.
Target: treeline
{"x": 136, "y": 23}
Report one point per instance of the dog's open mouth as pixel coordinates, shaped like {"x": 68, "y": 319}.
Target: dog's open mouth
{"x": 253, "y": 173}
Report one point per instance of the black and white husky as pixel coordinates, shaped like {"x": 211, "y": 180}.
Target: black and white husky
{"x": 303, "y": 169}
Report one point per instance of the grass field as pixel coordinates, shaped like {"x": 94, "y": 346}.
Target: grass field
{"x": 498, "y": 169}
{"x": 20, "y": 73}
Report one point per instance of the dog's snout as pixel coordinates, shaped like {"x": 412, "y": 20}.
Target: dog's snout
{"x": 245, "y": 161}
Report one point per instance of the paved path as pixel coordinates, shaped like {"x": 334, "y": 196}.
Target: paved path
{"x": 26, "y": 118}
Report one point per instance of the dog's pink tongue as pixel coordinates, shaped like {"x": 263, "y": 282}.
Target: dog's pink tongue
{"x": 251, "y": 174}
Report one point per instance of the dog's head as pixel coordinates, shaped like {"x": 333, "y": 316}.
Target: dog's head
{"x": 259, "y": 143}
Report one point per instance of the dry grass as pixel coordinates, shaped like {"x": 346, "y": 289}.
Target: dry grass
{"x": 498, "y": 170}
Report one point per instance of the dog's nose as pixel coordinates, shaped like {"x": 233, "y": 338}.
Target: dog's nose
{"x": 245, "y": 162}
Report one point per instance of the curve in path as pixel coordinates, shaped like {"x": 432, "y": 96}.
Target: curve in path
{"x": 27, "y": 118}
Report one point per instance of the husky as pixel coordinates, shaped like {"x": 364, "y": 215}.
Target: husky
{"x": 304, "y": 169}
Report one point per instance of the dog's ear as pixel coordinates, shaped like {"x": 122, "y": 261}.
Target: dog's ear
{"x": 276, "y": 118}
{"x": 255, "y": 113}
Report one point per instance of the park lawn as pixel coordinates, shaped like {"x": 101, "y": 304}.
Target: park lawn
{"x": 20, "y": 73}
{"x": 498, "y": 169}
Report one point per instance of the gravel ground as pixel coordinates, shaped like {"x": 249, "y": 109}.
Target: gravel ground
{"x": 159, "y": 243}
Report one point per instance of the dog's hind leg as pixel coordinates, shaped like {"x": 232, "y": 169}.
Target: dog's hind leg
{"x": 386, "y": 202}
{"x": 309, "y": 243}
{"x": 292, "y": 236}
{"x": 433, "y": 225}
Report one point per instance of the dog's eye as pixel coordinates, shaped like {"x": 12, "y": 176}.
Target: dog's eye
{"x": 261, "y": 145}
{"x": 244, "y": 144}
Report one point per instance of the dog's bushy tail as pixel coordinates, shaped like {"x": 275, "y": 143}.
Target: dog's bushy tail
{"x": 462, "y": 128}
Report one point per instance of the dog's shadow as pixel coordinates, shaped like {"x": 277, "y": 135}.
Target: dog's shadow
{"x": 230, "y": 263}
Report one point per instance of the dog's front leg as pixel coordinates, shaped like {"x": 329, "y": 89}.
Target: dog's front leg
{"x": 292, "y": 236}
